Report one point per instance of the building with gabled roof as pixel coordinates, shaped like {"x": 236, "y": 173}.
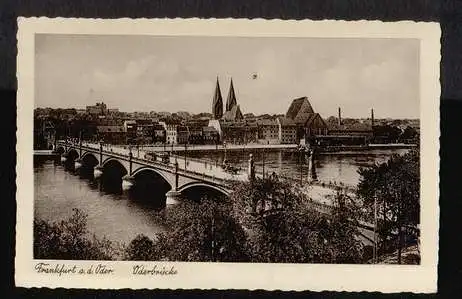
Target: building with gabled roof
{"x": 308, "y": 122}
{"x": 234, "y": 114}
{"x": 299, "y": 108}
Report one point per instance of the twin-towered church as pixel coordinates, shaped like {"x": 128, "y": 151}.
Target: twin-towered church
{"x": 231, "y": 126}
{"x": 232, "y": 110}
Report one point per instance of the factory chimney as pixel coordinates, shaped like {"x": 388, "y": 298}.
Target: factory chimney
{"x": 372, "y": 117}
{"x": 339, "y": 117}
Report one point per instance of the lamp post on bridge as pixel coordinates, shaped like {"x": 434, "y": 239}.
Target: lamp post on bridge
{"x": 78, "y": 162}
{"x": 300, "y": 161}
{"x": 80, "y": 143}
{"x": 374, "y": 253}
{"x": 185, "y": 151}
{"x": 128, "y": 180}
{"x": 173, "y": 196}
{"x": 130, "y": 157}
{"x": 251, "y": 170}
{"x": 98, "y": 171}
{"x": 263, "y": 163}
{"x": 225, "y": 159}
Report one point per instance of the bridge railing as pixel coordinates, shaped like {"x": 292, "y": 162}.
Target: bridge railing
{"x": 295, "y": 180}
{"x": 170, "y": 166}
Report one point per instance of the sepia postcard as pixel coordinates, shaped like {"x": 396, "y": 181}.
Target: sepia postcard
{"x": 227, "y": 154}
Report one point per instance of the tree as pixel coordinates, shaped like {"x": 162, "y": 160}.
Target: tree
{"x": 282, "y": 226}
{"x": 409, "y": 133}
{"x": 70, "y": 240}
{"x": 387, "y": 133}
{"x": 204, "y": 231}
{"x": 142, "y": 248}
{"x": 395, "y": 187}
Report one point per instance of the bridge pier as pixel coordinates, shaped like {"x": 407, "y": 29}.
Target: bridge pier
{"x": 312, "y": 167}
{"x": 127, "y": 182}
{"x": 98, "y": 172}
{"x": 173, "y": 197}
{"x": 78, "y": 164}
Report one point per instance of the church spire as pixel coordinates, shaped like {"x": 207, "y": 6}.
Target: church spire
{"x": 231, "y": 101}
{"x": 217, "y": 104}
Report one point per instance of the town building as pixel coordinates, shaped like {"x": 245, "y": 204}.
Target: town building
{"x": 268, "y": 131}
{"x": 195, "y": 134}
{"x": 287, "y": 130}
{"x": 144, "y": 131}
{"x": 195, "y": 127}
{"x": 98, "y": 109}
{"x": 113, "y": 111}
{"x": 175, "y": 133}
{"x": 170, "y": 132}
{"x": 131, "y": 130}
{"x": 111, "y": 134}
{"x": 210, "y": 135}
{"x": 158, "y": 133}
{"x": 182, "y": 135}
{"x": 348, "y": 132}
{"x": 309, "y": 124}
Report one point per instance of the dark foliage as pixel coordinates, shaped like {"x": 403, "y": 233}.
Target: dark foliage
{"x": 283, "y": 227}
{"x": 69, "y": 240}
{"x": 393, "y": 188}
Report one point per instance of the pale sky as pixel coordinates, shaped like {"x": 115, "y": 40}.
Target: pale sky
{"x": 145, "y": 73}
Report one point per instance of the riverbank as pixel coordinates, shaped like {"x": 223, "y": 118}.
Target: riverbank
{"x": 240, "y": 147}
{"x": 45, "y": 153}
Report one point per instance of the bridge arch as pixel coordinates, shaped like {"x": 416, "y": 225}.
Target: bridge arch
{"x": 60, "y": 150}
{"x": 72, "y": 154}
{"x": 113, "y": 162}
{"x": 89, "y": 159}
{"x": 150, "y": 187}
{"x": 196, "y": 190}
{"x": 169, "y": 180}
{"x": 113, "y": 172}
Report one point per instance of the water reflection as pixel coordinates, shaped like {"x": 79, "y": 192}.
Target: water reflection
{"x": 335, "y": 167}
{"x": 59, "y": 188}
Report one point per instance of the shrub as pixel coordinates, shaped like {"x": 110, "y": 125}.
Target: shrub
{"x": 69, "y": 240}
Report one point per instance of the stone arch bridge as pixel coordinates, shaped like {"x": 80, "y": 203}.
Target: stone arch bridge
{"x": 179, "y": 178}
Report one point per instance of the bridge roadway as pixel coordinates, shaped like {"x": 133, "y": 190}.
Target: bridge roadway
{"x": 180, "y": 173}
{"x": 192, "y": 166}
{"x": 217, "y": 147}
{"x": 190, "y": 171}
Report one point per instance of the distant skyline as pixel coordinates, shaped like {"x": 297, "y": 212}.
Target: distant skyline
{"x": 152, "y": 73}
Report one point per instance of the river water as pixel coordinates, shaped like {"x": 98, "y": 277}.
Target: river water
{"x": 111, "y": 214}
{"x": 120, "y": 218}
{"x": 330, "y": 167}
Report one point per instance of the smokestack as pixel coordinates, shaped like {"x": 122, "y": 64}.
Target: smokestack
{"x": 339, "y": 116}
{"x": 372, "y": 117}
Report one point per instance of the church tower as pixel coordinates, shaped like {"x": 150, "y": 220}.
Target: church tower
{"x": 217, "y": 104}
{"x": 231, "y": 101}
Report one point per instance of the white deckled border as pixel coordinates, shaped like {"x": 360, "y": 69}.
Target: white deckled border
{"x": 315, "y": 277}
